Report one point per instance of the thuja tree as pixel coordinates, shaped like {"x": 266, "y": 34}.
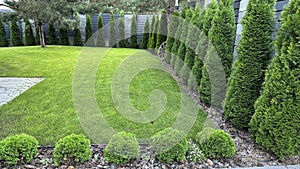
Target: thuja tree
{"x": 196, "y": 73}
{"x": 3, "y": 38}
{"x": 37, "y": 34}
{"x": 112, "y": 31}
{"x": 172, "y": 27}
{"x": 204, "y": 90}
{"x": 29, "y": 37}
{"x": 133, "y": 32}
{"x": 151, "y": 32}
{"x": 177, "y": 41}
{"x": 254, "y": 52}
{"x": 182, "y": 46}
{"x": 162, "y": 30}
{"x": 100, "y": 37}
{"x": 52, "y": 40}
{"x": 122, "y": 40}
{"x": 275, "y": 123}
{"x": 15, "y": 35}
{"x": 89, "y": 31}
{"x": 63, "y": 36}
{"x": 145, "y": 34}
{"x": 191, "y": 44}
{"x": 77, "y": 33}
{"x": 152, "y": 44}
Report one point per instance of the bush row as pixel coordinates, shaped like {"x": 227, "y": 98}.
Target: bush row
{"x": 169, "y": 145}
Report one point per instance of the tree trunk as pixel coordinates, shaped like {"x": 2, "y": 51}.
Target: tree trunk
{"x": 42, "y": 38}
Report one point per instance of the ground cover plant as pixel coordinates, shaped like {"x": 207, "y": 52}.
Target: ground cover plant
{"x": 47, "y": 112}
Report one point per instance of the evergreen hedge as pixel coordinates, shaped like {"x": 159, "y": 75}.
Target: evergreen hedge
{"x": 52, "y": 40}
{"x": 191, "y": 44}
{"x": 122, "y": 39}
{"x": 88, "y": 31}
{"x": 29, "y": 38}
{"x": 145, "y": 35}
{"x": 37, "y": 34}
{"x": 3, "y": 37}
{"x": 152, "y": 44}
{"x": 254, "y": 52}
{"x": 112, "y": 31}
{"x": 162, "y": 31}
{"x": 100, "y": 37}
{"x": 182, "y": 46}
{"x": 172, "y": 27}
{"x": 63, "y": 36}
{"x": 15, "y": 34}
{"x": 151, "y": 31}
{"x": 275, "y": 124}
{"x": 133, "y": 31}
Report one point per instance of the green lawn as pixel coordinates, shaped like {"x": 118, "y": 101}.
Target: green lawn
{"x": 86, "y": 86}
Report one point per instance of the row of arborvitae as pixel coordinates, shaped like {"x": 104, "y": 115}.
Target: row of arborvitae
{"x": 169, "y": 145}
{"x": 63, "y": 39}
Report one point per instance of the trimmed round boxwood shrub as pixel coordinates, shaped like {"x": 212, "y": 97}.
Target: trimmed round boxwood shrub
{"x": 18, "y": 149}
{"x": 122, "y": 148}
{"x": 169, "y": 145}
{"x": 216, "y": 144}
{"x": 3, "y": 38}
{"x": 275, "y": 123}
{"x": 72, "y": 149}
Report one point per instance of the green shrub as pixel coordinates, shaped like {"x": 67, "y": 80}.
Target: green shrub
{"x": 145, "y": 35}
{"x": 77, "y": 33}
{"x": 247, "y": 76}
{"x": 37, "y": 34}
{"x": 122, "y": 148}
{"x": 122, "y": 39}
{"x": 29, "y": 38}
{"x": 169, "y": 145}
{"x": 3, "y": 37}
{"x": 52, "y": 39}
{"x": 275, "y": 123}
{"x": 72, "y": 149}
{"x": 88, "y": 31}
{"x": 112, "y": 31}
{"x": 18, "y": 149}
{"x": 152, "y": 44}
{"x": 172, "y": 27}
{"x": 15, "y": 34}
{"x": 100, "y": 37}
{"x": 210, "y": 13}
{"x": 176, "y": 44}
{"x": 194, "y": 154}
{"x": 133, "y": 30}
{"x": 216, "y": 144}
{"x": 162, "y": 31}
{"x": 182, "y": 47}
{"x": 151, "y": 31}
{"x": 63, "y": 36}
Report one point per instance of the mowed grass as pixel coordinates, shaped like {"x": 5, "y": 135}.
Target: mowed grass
{"x": 47, "y": 110}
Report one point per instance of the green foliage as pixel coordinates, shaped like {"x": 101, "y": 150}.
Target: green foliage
{"x": 151, "y": 31}
{"x": 122, "y": 40}
{"x": 172, "y": 27}
{"x": 63, "y": 36}
{"x": 194, "y": 154}
{"x": 89, "y": 31}
{"x": 216, "y": 144}
{"x": 209, "y": 15}
{"x": 77, "y": 33}
{"x": 145, "y": 35}
{"x": 29, "y": 38}
{"x": 37, "y": 34}
{"x": 100, "y": 37}
{"x": 247, "y": 77}
{"x": 182, "y": 47}
{"x": 52, "y": 39}
{"x": 205, "y": 87}
{"x": 18, "y": 149}
{"x": 72, "y": 149}
{"x": 15, "y": 34}
{"x": 152, "y": 44}
{"x": 169, "y": 145}
{"x": 133, "y": 30}
{"x": 3, "y": 38}
{"x": 191, "y": 44}
{"x": 204, "y": 135}
{"x": 176, "y": 44}
{"x": 112, "y": 32}
{"x": 275, "y": 123}
{"x": 122, "y": 148}
{"x": 162, "y": 31}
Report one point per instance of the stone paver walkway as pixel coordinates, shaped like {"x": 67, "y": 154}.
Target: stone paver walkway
{"x": 13, "y": 87}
